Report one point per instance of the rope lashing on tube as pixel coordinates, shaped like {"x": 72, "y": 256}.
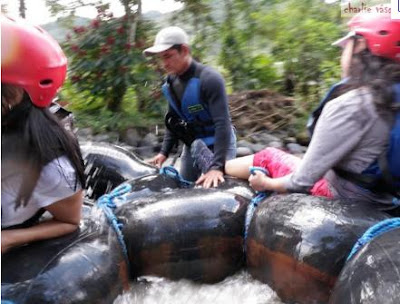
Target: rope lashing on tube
{"x": 373, "y": 232}
{"x": 107, "y": 203}
{"x": 173, "y": 173}
{"x": 253, "y": 204}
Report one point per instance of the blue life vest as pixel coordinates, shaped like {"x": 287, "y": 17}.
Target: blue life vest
{"x": 383, "y": 175}
{"x": 332, "y": 93}
{"x": 192, "y": 109}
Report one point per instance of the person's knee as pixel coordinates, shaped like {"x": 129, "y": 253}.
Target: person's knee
{"x": 239, "y": 167}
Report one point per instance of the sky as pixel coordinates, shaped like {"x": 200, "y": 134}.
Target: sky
{"x": 37, "y": 12}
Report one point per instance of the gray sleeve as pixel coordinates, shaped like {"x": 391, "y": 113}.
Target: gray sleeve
{"x": 169, "y": 140}
{"x": 214, "y": 95}
{"x": 339, "y": 129}
{"x": 168, "y": 143}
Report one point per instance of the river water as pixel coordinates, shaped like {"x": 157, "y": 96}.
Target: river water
{"x": 240, "y": 288}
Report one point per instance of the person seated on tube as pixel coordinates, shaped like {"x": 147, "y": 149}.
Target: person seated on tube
{"x": 42, "y": 168}
{"x": 352, "y": 130}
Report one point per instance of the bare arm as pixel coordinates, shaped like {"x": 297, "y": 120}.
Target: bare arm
{"x": 66, "y": 216}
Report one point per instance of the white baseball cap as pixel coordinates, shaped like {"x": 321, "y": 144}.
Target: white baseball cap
{"x": 166, "y": 38}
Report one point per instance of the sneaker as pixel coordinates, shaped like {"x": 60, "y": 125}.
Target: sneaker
{"x": 202, "y": 155}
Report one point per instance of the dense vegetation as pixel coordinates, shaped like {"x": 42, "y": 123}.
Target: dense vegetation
{"x": 282, "y": 45}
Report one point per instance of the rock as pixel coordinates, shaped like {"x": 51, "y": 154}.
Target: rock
{"x": 132, "y": 137}
{"x": 263, "y": 138}
{"x": 257, "y": 147}
{"x": 243, "y": 143}
{"x": 84, "y": 133}
{"x": 110, "y": 137}
{"x": 149, "y": 140}
{"x": 243, "y": 151}
{"x": 290, "y": 140}
{"x": 276, "y": 144}
{"x": 145, "y": 152}
{"x": 294, "y": 148}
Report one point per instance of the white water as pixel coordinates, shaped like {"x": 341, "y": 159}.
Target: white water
{"x": 237, "y": 289}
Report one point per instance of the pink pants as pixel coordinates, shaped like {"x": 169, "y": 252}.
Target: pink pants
{"x": 280, "y": 163}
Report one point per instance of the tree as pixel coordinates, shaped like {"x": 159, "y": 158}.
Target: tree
{"x": 105, "y": 58}
{"x": 249, "y": 66}
{"x": 300, "y": 34}
{"x": 68, "y": 7}
{"x": 22, "y": 8}
{"x": 198, "y": 20}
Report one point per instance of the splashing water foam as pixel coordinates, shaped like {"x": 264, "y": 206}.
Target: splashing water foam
{"x": 237, "y": 289}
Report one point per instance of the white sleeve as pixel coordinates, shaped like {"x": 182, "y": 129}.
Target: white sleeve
{"x": 56, "y": 182}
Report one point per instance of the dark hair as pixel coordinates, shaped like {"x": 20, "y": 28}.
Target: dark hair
{"x": 177, "y": 47}
{"x": 35, "y": 136}
{"x": 379, "y": 74}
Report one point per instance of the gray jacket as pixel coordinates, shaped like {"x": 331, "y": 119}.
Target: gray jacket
{"x": 350, "y": 135}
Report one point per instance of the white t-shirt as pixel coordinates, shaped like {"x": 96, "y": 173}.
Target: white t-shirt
{"x": 56, "y": 182}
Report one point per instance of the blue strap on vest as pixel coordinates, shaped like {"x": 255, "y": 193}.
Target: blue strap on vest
{"x": 166, "y": 91}
{"x": 312, "y": 120}
{"x": 192, "y": 110}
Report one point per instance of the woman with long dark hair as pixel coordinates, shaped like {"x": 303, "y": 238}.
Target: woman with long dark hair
{"x": 42, "y": 168}
{"x": 352, "y": 131}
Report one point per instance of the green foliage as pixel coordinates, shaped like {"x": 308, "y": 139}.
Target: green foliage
{"x": 102, "y": 60}
{"x": 197, "y": 19}
{"x": 261, "y": 72}
{"x": 105, "y": 63}
{"x": 111, "y": 85}
{"x": 68, "y": 6}
{"x": 249, "y": 65}
{"x": 301, "y": 33}
{"x": 96, "y": 116}
{"x": 233, "y": 59}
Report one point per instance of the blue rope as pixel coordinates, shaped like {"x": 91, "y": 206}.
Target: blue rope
{"x": 6, "y": 302}
{"x": 261, "y": 169}
{"x": 173, "y": 173}
{"x": 253, "y": 204}
{"x": 107, "y": 203}
{"x": 374, "y": 231}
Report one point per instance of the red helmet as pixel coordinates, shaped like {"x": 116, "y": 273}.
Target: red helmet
{"x": 31, "y": 59}
{"x": 380, "y": 31}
